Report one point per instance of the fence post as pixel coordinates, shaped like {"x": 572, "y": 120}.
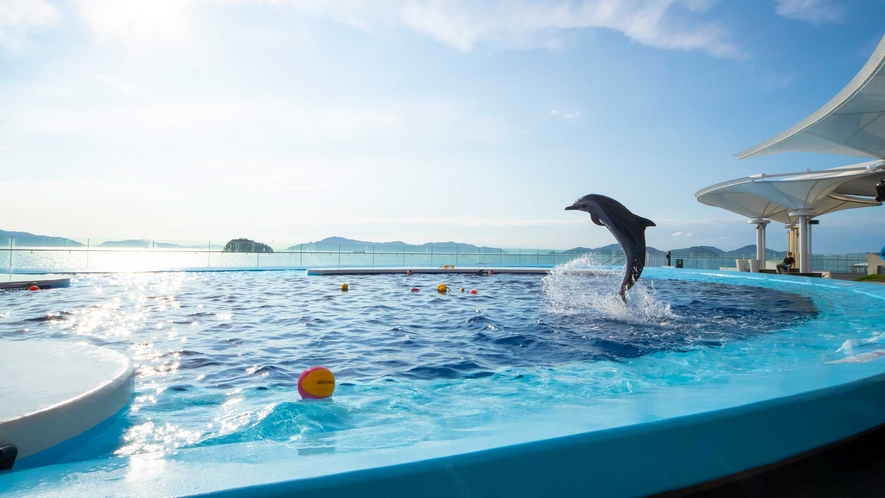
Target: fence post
{"x": 339, "y": 255}
{"x": 10, "y": 255}
{"x": 209, "y": 256}
{"x": 373, "y": 255}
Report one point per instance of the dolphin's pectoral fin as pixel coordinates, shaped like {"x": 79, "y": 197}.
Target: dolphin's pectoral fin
{"x": 595, "y": 219}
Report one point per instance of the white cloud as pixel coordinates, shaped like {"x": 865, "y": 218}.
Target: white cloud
{"x": 525, "y": 24}
{"x": 815, "y": 11}
{"x": 688, "y": 234}
{"x": 667, "y": 24}
{"x": 677, "y": 234}
{"x": 18, "y": 18}
{"x": 564, "y": 115}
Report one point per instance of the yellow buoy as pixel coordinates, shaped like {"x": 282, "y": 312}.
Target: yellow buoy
{"x": 343, "y": 287}
{"x": 462, "y": 289}
{"x": 442, "y": 288}
{"x": 316, "y": 383}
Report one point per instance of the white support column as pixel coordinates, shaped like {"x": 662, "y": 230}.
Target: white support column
{"x": 804, "y": 232}
{"x": 760, "y": 239}
{"x": 811, "y": 223}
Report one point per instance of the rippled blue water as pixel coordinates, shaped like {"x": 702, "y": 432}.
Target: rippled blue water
{"x": 218, "y": 354}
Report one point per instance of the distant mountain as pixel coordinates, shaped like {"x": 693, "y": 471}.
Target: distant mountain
{"x": 616, "y": 247}
{"x": 351, "y": 243}
{"x": 751, "y": 250}
{"x": 698, "y": 250}
{"x": 25, "y": 239}
{"x": 605, "y": 249}
{"x": 138, "y": 243}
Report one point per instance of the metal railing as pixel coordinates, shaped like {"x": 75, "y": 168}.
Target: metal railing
{"x": 90, "y": 255}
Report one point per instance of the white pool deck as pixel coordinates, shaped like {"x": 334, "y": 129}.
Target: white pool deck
{"x": 53, "y": 391}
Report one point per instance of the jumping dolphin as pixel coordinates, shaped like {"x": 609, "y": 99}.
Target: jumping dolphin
{"x": 628, "y": 229}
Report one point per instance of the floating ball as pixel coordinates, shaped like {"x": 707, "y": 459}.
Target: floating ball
{"x": 462, "y": 289}
{"x": 445, "y": 266}
{"x": 442, "y": 288}
{"x": 415, "y": 289}
{"x": 344, "y": 287}
{"x": 473, "y": 291}
{"x": 316, "y": 383}
{"x": 408, "y": 272}
{"x": 491, "y": 272}
{"x": 33, "y": 288}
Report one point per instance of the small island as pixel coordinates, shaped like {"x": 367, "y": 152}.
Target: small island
{"x": 246, "y": 245}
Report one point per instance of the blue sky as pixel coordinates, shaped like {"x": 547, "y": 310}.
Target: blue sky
{"x": 290, "y": 121}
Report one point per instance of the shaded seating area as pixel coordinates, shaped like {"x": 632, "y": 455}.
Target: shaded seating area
{"x": 849, "y": 124}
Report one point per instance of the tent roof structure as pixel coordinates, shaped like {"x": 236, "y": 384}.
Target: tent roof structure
{"x": 818, "y": 192}
{"x": 851, "y": 124}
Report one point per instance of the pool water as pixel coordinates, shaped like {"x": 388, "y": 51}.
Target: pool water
{"x": 218, "y": 354}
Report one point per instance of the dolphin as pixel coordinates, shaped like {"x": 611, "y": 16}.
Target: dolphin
{"x": 628, "y": 229}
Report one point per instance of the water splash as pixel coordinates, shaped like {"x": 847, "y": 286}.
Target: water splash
{"x": 583, "y": 286}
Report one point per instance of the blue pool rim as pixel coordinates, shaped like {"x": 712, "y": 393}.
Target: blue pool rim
{"x": 643, "y": 444}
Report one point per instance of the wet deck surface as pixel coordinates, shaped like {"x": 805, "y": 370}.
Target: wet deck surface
{"x": 19, "y": 282}
{"x": 855, "y": 469}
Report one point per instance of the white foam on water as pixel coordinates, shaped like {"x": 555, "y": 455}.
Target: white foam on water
{"x": 582, "y": 285}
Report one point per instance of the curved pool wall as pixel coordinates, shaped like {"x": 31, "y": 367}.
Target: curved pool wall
{"x": 633, "y": 445}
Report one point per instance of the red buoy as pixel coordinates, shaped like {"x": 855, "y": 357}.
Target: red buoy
{"x": 33, "y": 288}
{"x": 473, "y": 291}
{"x": 415, "y": 289}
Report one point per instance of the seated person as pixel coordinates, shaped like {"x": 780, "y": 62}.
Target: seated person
{"x": 787, "y": 264}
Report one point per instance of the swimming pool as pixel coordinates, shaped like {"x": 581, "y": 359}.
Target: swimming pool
{"x": 424, "y": 375}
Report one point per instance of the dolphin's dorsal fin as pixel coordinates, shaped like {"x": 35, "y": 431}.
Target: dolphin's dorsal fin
{"x": 595, "y": 219}
{"x": 646, "y": 222}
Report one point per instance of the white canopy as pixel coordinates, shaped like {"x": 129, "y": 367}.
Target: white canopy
{"x": 818, "y": 192}
{"x": 797, "y": 197}
{"x": 850, "y": 124}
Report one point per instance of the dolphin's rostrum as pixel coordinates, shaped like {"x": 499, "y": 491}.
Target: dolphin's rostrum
{"x": 628, "y": 229}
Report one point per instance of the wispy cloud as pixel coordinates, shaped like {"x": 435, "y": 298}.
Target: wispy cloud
{"x": 460, "y": 24}
{"x": 19, "y": 18}
{"x": 665, "y": 24}
{"x": 815, "y": 11}
{"x": 677, "y": 234}
{"x": 138, "y": 23}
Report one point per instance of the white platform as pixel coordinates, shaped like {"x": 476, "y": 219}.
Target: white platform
{"x": 53, "y": 391}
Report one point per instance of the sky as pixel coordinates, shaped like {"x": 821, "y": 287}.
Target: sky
{"x": 288, "y": 121}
